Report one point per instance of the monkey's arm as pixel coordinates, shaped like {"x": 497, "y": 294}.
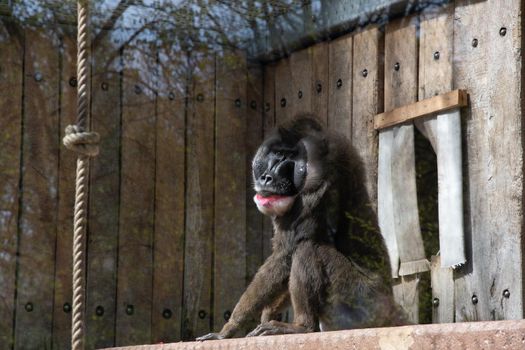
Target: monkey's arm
{"x": 268, "y": 284}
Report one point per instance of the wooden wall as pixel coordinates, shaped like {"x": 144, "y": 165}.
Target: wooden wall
{"x": 173, "y": 235}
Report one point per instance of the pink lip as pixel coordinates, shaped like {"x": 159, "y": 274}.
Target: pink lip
{"x": 267, "y": 201}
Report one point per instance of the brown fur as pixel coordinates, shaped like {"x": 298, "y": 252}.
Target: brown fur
{"x": 329, "y": 258}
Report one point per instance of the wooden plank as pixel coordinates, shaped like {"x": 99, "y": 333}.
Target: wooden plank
{"x": 135, "y": 270}
{"x": 66, "y": 200}
{"x": 340, "y": 88}
{"x": 254, "y": 134}
{"x": 168, "y": 244}
{"x": 271, "y": 105}
{"x": 367, "y": 101}
{"x": 199, "y": 198}
{"x": 38, "y": 222}
{"x": 401, "y": 89}
{"x": 104, "y": 199}
{"x": 492, "y": 72}
{"x": 11, "y": 54}
{"x": 433, "y": 105}
{"x": 320, "y": 81}
{"x": 300, "y": 87}
{"x": 442, "y": 292}
{"x": 285, "y": 94}
{"x": 230, "y": 191}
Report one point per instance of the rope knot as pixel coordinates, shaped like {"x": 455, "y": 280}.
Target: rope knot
{"x": 82, "y": 142}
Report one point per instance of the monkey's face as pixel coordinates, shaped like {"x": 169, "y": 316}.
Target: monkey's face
{"x": 283, "y": 167}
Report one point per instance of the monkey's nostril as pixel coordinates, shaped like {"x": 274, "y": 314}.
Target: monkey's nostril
{"x": 266, "y": 179}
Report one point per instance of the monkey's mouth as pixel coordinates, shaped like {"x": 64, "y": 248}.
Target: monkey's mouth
{"x": 268, "y": 200}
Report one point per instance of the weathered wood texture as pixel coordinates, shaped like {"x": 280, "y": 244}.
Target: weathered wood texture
{"x": 104, "y": 197}
{"x": 38, "y": 223}
{"x": 137, "y": 196}
{"x": 198, "y": 259}
{"x": 230, "y": 207}
{"x": 66, "y": 199}
{"x": 11, "y": 54}
{"x": 492, "y": 73}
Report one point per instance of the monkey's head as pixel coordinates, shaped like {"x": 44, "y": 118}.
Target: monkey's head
{"x": 288, "y": 164}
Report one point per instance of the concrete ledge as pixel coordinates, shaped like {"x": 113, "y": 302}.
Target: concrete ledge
{"x": 471, "y": 335}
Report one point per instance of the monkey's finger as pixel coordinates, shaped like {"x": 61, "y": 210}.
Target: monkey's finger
{"x": 210, "y": 336}
{"x": 258, "y": 330}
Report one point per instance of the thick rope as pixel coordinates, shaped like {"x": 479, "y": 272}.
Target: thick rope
{"x": 86, "y": 145}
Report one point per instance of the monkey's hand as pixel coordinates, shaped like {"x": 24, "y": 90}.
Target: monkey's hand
{"x": 211, "y": 336}
{"x": 276, "y": 327}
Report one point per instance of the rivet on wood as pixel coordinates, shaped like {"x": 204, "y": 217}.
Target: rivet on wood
{"x": 436, "y": 55}
{"x": 364, "y": 73}
{"x": 397, "y": 66}
{"x": 300, "y": 94}
{"x": 238, "y": 103}
{"x": 283, "y": 102}
{"x": 267, "y": 107}
{"x": 99, "y": 311}
{"x": 130, "y": 309}
{"x": 318, "y": 87}
{"x": 104, "y": 86}
{"x": 29, "y": 307}
{"x": 171, "y": 96}
{"x": 435, "y": 302}
{"x": 474, "y": 42}
{"x": 202, "y": 314}
{"x": 166, "y": 314}
{"x": 475, "y": 299}
{"x": 138, "y": 89}
{"x": 339, "y": 83}
{"x": 253, "y": 104}
{"x": 200, "y": 97}
{"x": 227, "y": 315}
{"x": 506, "y": 293}
{"x": 38, "y": 77}
{"x": 66, "y": 308}
{"x": 73, "y": 82}
{"x": 503, "y": 31}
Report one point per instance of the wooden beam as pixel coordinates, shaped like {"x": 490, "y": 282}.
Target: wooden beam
{"x": 439, "y": 103}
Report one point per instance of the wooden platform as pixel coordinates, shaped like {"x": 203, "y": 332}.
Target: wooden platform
{"x": 472, "y": 335}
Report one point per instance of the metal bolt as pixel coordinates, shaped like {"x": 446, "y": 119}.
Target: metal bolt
{"x": 283, "y": 102}
{"x": 66, "y": 307}
{"x": 138, "y": 89}
{"x": 435, "y": 302}
{"x": 38, "y": 77}
{"x": 29, "y": 307}
{"x": 396, "y": 66}
{"x": 171, "y": 96}
{"x": 104, "y": 86}
{"x": 339, "y": 83}
{"x": 130, "y": 309}
{"x": 238, "y": 103}
{"x": 436, "y": 55}
{"x": 166, "y": 313}
{"x": 253, "y": 104}
{"x": 202, "y": 314}
{"x": 99, "y": 311}
{"x": 364, "y": 73}
{"x": 318, "y": 87}
{"x": 227, "y": 315}
{"x": 300, "y": 94}
{"x": 506, "y": 293}
{"x": 503, "y": 31}
{"x": 200, "y": 97}
{"x": 267, "y": 107}
{"x": 73, "y": 82}
{"x": 474, "y": 299}
{"x": 474, "y": 42}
